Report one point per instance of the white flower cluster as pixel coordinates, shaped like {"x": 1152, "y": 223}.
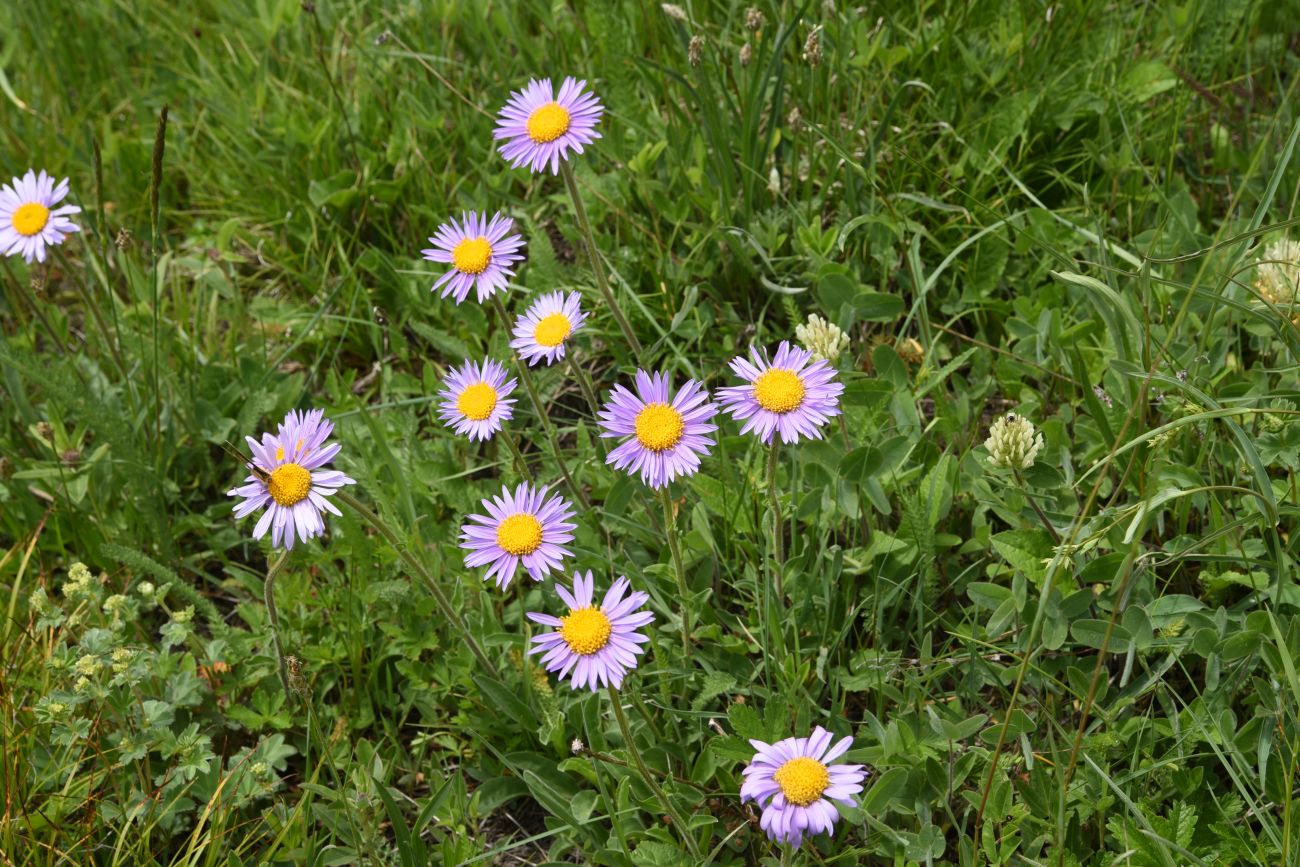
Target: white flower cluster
{"x": 1277, "y": 277}
{"x": 823, "y": 339}
{"x": 1012, "y": 442}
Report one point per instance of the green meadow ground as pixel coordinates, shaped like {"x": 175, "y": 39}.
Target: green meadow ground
{"x": 1007, "y": 205}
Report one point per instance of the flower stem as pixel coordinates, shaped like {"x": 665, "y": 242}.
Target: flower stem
{"x": 778, "y": 526}
{"x": 682, "y": 828}
{"x": 589, "y": 392}
{"x": 526, "y": 377}
{"x": 670, "y": 528}
{"x": 597, "y": 268}
{"x": 520, "y": 463}
{"x": 268, "y": 593}
{"x": 417, "y": 567}
{"x": 1020, "y": 482}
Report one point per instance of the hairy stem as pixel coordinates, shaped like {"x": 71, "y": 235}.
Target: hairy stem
{"x": 597, "y": 267}
{"x": 644, "y": 771}
{"x": 268, "y": 593}
{"x": 670, "y": 528}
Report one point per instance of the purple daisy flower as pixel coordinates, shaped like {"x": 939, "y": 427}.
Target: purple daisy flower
{"x": 794, "y": 781}
{"x": 29, "y": 222}
{"x": 537, "y": 126}
{"x": 474, "y": 401}
{"x": 540, "y": 334}
{"x": 288, "y": 479}
{"x": 668, "y": 434}
{"x": 599, "y": 645}
{"x": 787, "y": 394}
{"x": 481, "y": 254}
{"x": 522, "y": 527}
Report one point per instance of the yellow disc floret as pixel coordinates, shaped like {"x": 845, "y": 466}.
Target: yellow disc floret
{"x": 289, "y": 484}
{"x": 548, "y": 122}
{"x": 659, "y": 427}
{"x": 778, "y": 390}
{"x": 477, "y": 401}
{"x": 520, "y": 534}
{"x": 802, "y": 780}
{"x": 586, "y": 630}
{"x": 471, "y": 255}
{"x": 30, "y": 218}
{"x": 552, "y": 330}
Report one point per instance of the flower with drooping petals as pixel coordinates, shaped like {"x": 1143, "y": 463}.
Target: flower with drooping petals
{"x": 541, "y": 333}
{"x": 598, "y": 644}
{"x": 29, "y": 220}
{"x": 538, "y": 126}
{"x": 521, "y": 527}
{"x": 1277, "y": 275}
{"x": 481, "y": 252}
{"x": 785, "y": 395}
{"x": 287, "y": 478}
{"x": 795, "y": 781}
{"x": 668, "y": 433}
{"x": 476, "y": 399}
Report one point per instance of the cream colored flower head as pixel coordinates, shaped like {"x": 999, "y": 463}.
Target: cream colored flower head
{"x": 1277, "y": 276}
{"x": 823, "y": 339}
{"x": 1012, "y": 442}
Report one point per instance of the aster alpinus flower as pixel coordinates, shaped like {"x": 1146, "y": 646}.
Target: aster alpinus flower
{"x": 785, "y": 395}
{"x": 523, "y": 527}
{"x": 289, "y": 479}
{"x": 667, "y": 433}
{"x": 476, "y": 399}
{"x": 542, "y": 332}
{"x": 597, "y": 644}
{"x": 538, "y": 126}
{"x": 796, "y": 780}
{"x": 29, "y": 218}
{"x": 482, "y": 254}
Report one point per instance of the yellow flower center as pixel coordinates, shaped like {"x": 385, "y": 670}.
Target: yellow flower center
{"x": 552, "y": 330}
{"x": 778, "y": 390}
{"x": 520, "y": 534}
{"x": 30, "y": 218}
{"x": 472, "y": 255}
{"x": 659, "y": 426}
{"x": 477, "y": 401}
{"x": 802, "y": 780}
{"x": 289, "y": 484}
{"x": 586, "y": 630}
{"x": 548, "y": 122}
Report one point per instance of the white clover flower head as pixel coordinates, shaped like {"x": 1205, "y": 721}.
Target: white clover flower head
{"x": 825, "y": 340}
{"x": 1277, "y": 276}
{"x": 1012, "y": 442}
